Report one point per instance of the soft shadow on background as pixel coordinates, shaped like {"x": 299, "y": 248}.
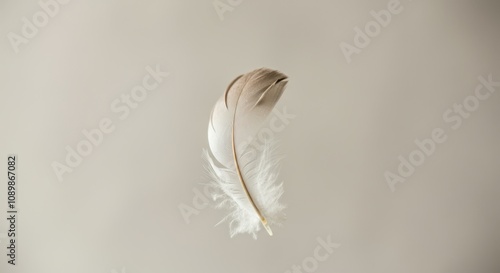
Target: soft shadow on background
{"x": 119, "y": 209}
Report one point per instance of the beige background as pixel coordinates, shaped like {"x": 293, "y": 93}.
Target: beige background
{"x": 119, "y": 210}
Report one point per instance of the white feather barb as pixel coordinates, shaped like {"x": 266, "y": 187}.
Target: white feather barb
{"x": 246, "y": 179}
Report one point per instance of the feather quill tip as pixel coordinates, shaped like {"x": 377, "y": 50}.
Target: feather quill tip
{"x": 267, "y": 227}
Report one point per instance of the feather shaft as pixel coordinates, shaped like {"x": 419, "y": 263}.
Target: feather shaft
{"x": 244, "y": 185}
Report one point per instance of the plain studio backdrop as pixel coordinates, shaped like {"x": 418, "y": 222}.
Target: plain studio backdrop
{"x": 360, "y": 95}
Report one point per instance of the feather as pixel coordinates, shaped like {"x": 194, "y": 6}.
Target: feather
{"x": 245, "y": 179}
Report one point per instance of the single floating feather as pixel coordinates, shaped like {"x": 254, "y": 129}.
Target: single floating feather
{"x": 246, "y": 179}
